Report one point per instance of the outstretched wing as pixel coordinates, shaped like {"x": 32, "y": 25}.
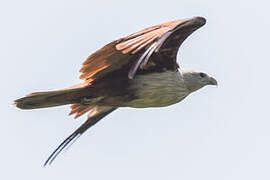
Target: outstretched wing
{"x": 163, "y": 50}
{"x": 134, "y": 51}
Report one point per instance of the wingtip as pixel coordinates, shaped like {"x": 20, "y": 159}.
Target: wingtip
{"x": 193, "y": 23}
{"x": 200, "y": 20}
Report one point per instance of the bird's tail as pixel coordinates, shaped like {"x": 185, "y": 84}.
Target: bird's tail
{"x": 50, "y": 98}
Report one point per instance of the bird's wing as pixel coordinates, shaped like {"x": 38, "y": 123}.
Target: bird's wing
{"x": 164, "y": 48}
{"x": 97, "y": 113}
{"x": 134, "y": 51}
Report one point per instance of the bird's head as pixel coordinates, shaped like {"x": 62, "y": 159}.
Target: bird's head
{"x": 195, "y": 80}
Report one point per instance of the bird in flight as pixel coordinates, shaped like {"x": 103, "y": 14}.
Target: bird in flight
{"x": 137, "y": 71}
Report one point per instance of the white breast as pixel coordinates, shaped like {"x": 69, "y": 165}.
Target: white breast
{"x": 158, "y": 89}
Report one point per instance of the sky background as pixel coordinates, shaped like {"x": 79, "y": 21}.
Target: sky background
{"x": 216, "y": 133}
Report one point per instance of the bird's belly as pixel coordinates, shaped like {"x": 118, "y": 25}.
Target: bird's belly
{"x": 154, "y": 101}
{"x": 157, "y": 90}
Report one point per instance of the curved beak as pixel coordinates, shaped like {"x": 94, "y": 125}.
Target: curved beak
{"x": 213, "y": 81}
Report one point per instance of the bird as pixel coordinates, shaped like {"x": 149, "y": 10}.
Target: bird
{"x": 137, "y": 71}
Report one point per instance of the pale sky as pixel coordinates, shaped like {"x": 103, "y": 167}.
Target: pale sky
{"x": 214, "y": 134}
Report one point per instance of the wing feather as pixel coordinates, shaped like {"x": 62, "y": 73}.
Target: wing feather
{"x": 142, "y": 41}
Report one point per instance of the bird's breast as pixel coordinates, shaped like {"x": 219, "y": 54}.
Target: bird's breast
{"x": 157, "y": 89}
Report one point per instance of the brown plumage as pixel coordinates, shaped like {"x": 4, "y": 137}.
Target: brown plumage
{"x": 79, "y": 109}
{"x": 108, "y": 74}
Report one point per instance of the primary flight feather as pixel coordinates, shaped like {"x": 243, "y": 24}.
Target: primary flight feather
{"x": 138, "y": 71}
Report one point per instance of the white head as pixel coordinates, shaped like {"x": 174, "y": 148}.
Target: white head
{"x": 195, "y": 80}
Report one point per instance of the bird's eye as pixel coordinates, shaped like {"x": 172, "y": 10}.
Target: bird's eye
{"x": 202, "y": 75}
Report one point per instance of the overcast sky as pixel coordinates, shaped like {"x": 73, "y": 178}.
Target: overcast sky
{"x": 214, "y": 134}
